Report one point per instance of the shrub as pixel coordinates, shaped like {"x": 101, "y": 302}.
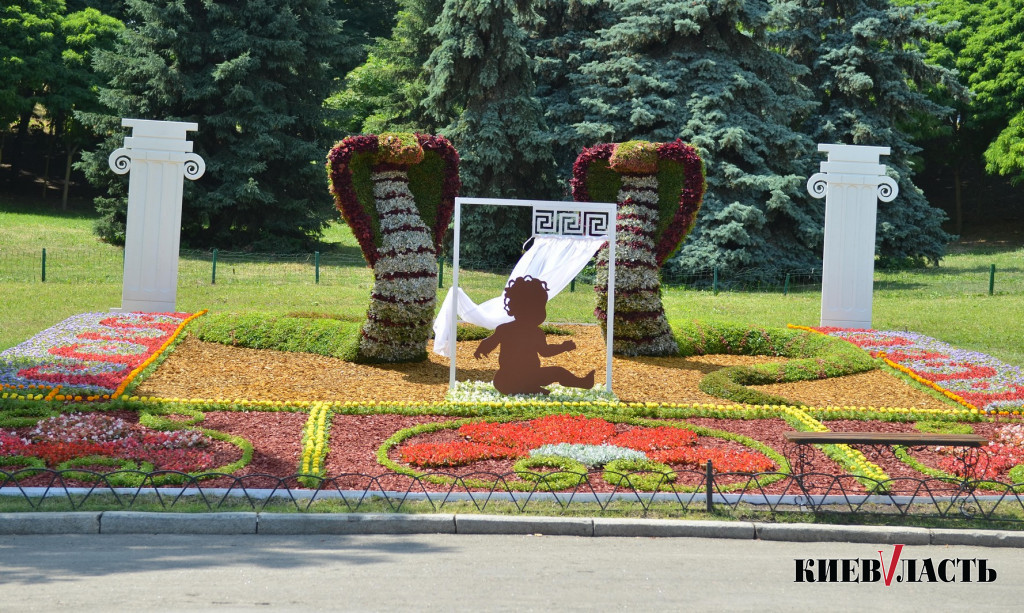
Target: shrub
{"x": 814, "y": 356}
{"x": 322, "y": 336}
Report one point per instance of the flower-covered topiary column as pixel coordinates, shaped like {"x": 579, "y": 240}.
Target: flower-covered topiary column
{"x": 658, "y": 188}
{"x": 397, "y": 192}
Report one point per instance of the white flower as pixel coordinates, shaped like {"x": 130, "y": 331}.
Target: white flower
{"x": 590, "y": 455}
{"x": 483, "y": 391}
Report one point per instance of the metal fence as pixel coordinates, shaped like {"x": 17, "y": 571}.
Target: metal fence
{"x": 90, "y": 265}
{"x": 105, "y": 265}
{"x": 708, "y": 492}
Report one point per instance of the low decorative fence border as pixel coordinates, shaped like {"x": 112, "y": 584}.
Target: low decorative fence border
{"x": 981, "y": 500}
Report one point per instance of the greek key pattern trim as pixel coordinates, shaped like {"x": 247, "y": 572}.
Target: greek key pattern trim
{"x": 571, "y": 222}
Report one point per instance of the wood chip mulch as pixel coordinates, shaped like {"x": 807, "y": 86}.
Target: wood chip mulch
{"x": 198, "y": 369}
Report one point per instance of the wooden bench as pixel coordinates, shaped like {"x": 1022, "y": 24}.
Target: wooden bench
{"x": 967, "y": 445}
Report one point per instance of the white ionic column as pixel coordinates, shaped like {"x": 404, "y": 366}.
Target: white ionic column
{"x": 852, "y": 182}
{"x": 159, "y": 158}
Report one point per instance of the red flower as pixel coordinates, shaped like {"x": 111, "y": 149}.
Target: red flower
{"x": 722, "y": 460}
{"x": 650, "y": 439}
{"x": 457, "y": 453}
{"x": 509, "y": 440}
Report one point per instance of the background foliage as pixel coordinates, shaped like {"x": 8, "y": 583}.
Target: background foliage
{"x": 521, "y": 87}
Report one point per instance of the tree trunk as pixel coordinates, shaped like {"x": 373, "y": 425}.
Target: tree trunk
{"x": 67, "y": 177}
{"x": 19, "y": 144}
{"x": 46, "y": 176}
{"x": 640, "y": 324}
{"x": 958, "y": 201}
{"x": 405, "y": 275}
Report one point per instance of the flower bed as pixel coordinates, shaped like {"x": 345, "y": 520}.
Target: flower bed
{"x": 92, "y": 356}
{"x": 118, "y": 443}
{"x": 478, "y": 439}
{"x": 976, "y": 380}
{"x": 560, "y": 440}
{"x": 351, "y": 443}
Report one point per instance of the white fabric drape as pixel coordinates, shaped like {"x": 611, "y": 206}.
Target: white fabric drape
{"x": 554, "y": 259}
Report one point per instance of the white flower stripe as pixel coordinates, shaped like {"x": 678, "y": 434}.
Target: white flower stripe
{"x": 382, "y": 188}
{"x": 399, "y": 210}
{"x": 399, "y": 175}
{"x": 646, "y": 211}
{"x": 642, "y": 181}
{"x": 389, "y": 351}
{"x": 403, "y": 311}
{"x": 403, "y": 222}
{"x": 633, "y": 248}
{"x": 421, "y": 261}
{"x": 389, "y": 205}
{"x": 641, "y": 198}
{"x": 643, "y": 300}
{"x": 406, "y": 289}
{"x": 405, "y": 237}
{"x": 661, "y": 345}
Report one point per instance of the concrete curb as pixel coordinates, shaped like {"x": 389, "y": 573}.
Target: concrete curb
{"x": 977, "y": 538}
{"x": 71, "y": 522}
{"x": 137, "y": 522}
{"x": 674, "y": 528}
{"x": 355, "y": 523}
{"x": 822, "y": 533}
{"x": 502, "y": 524}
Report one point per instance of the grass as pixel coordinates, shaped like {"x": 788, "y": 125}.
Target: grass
{"x": 950, "y": 303}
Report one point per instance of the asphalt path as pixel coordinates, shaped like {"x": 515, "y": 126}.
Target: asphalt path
{"x": 439, "y": 572}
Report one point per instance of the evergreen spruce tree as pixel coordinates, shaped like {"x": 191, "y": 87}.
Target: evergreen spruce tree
{"x": 869, "y": 75}
{"x": 482, "y": 67}
{"x": 559, "y": 53}
{"x": 253, "y": 74}
{"x": 700, "y": 71}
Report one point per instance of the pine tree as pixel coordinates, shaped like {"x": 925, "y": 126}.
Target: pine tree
{"x": 482, "y": 67}
{"x": 700, "y": 71}
{"x": 868, "y": 73}
{"x": 253, "y": 74}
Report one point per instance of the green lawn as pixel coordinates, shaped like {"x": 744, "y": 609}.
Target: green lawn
{"x": 951, "y": 302}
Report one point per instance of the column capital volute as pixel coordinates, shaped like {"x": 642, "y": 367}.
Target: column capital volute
{"x": 853, "y": 165}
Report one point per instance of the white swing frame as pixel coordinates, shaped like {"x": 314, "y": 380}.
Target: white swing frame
{"x": 549, "y": 218}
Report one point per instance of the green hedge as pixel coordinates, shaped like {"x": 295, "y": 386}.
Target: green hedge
{"x": 812, "y": 356}
{"x": 323, "y": 336}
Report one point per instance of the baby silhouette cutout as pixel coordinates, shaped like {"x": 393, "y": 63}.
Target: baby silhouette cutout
{"x": 523, "y": 343}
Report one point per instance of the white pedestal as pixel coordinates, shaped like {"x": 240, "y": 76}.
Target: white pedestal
{"x": 852, "y": 181}
{"x": 159, "y": 158}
